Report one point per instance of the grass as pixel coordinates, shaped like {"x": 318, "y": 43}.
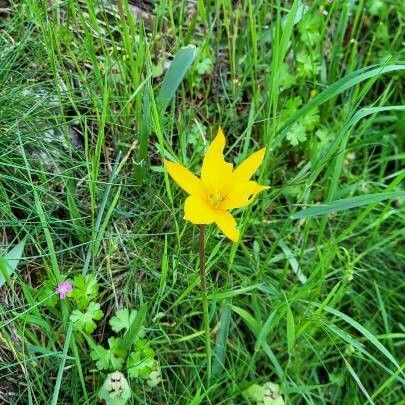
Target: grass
{"x": 311, "y": 299}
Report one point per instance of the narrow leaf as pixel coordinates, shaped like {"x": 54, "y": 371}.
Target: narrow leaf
{"x": 249, "y": 320}
{"x": 358, "y": 382}
{"x": 9, "y": 262}
{"x": 173, "y": 77}
{"x": 351, "y": 80}
{"x": 220, "y": 346}
{"x": 367, "y": 334}
{"x": 136, "y": 326}
{"x": 346, "y": 203}
{"x": 232, "y": 293}
{"x": 290, "y": 330}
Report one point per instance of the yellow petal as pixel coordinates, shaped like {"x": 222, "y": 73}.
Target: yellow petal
{"x": 227, "y": 224}
{"x": 241, "y": 194}
{"x": 247, "y": 168}
{"x": 215, "y": 172}
{"x": 198, "y": 211}
{"x": 185, "y": 179}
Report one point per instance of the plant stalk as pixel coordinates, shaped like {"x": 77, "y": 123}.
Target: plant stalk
{"x": 206, "y": 318}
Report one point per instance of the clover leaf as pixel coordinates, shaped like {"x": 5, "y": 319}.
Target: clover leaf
{"x": 205, "y": 66}
{"x": 101, "y": 356}
{"x": 285, "y": 78}
{"x": 307, "y": 66}
{"x": 310, "y": 29}
{"x": 141, "y": 362}
{"x": 296, "y": 134}
{"x": 123, "y": 319}
{"x": 111, "y": 358}
{"x": 85, "y": 320}
{"x": 85, "y": 290}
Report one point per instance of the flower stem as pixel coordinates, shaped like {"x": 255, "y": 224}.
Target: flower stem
{"x": 205, "y": 302}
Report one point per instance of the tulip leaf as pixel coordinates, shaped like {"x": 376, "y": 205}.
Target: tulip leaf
{"x": 218, "y": 365}
{"x": 175, "y": 74}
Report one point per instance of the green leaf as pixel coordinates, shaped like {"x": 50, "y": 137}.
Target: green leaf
{"x": 290, "y": 106}
{"x": 85, "y": 321}
{"x": 85, "y": 290}
{"x": 141, "y": 362}
{"x": 311, "y": 120}
{"x": 346, "y": 203}
{"x": 175, "y": 74}
{"x": 250, "y": 321}
{"x": 233, "y": 293}
{"x": 218, "y": 365}
{"x": 290, "y": 330}
{"x": 296, "y": 134}
{"x": 135, "y": 328}
{"x": 367, "y": 334}
{"x": 350, "y": 80}
{"x": 339, "y": 140}
{"x": 205, "y": 66}
{"x": 117, "y": 355}
{"x": 123, "y": 319}
{"x": 265, "y": 330}
{"x": 9, "y": 262}
{"x": 286, "y": 79}
{"x": 358, "y": 381}
{"x": 46, "y": 294}
{"x": 310, "y": 29}
{"x": 112, "y": 358}
{"x": 306, "y": 66}
{"x": 101, "y": 356}
{"x": 377, "y": 8}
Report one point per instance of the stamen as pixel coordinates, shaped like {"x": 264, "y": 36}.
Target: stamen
{"x": 215, "y": 199}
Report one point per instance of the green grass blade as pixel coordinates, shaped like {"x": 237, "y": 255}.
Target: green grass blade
{"x": 368, "y": 335}
{"x": 290, "y": 329}
{"x": 358, "y": 382}
{"x": 347, "y": 82}
{"x": 233, "y": 293}
{"x": 346, "y": 204}
{"x": 133, "y": 331}
{"x": 250, "y": 321}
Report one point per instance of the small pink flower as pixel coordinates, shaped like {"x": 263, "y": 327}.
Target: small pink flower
{"x": 63, "y": 289}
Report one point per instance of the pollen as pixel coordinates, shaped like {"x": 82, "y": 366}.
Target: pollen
{"x": 215, "y": 199}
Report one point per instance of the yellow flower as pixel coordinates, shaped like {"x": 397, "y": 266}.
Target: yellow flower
{"x": 220, "y": 188}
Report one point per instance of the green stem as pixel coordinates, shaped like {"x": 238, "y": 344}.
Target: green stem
{"x": 205, "y": 302}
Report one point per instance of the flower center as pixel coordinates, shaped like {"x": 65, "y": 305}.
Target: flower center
{"x": 215, "y": 199}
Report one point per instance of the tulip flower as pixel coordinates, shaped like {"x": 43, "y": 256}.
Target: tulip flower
{"x": 220, "y": 189}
